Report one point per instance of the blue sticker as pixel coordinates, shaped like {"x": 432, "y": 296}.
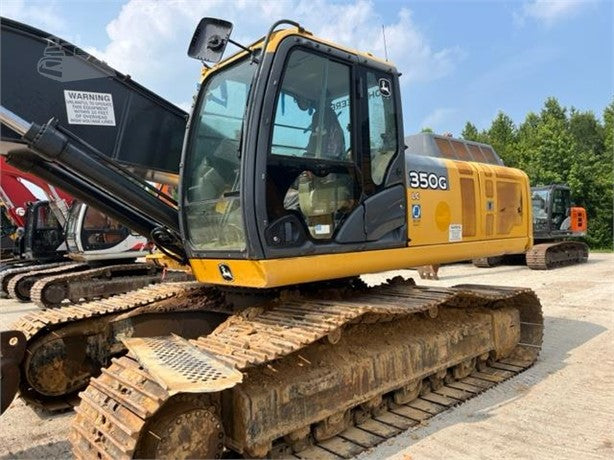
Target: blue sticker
{"x": 416, "y": 212}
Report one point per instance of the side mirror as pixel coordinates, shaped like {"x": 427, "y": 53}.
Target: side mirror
{"x": 210, "y": 39}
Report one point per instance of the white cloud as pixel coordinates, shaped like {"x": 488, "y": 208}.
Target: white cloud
{"x": 437, "y": 119}
{"x": 149, "y": 39}
{"x": 549, "y": 12}
{"x": 44, "y": 15}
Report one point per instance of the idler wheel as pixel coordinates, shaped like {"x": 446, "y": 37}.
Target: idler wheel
{"x": 58, "y": 367}
{"x": 53, "y": 295}
{"x": 185, "y": 427}
{"x": 22, "y": 290}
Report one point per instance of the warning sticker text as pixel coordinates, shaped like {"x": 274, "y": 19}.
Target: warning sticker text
{"x": 455, "y": 232}
{"x": 87, "y": 108}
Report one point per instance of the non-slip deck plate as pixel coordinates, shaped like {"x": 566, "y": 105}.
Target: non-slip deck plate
{"x": 178, "y": 366}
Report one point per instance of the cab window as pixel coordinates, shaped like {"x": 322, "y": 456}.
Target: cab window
{"x": 100, "y": 231}
{"x": 311, "y": 171}
{"x": 382, "y": 124}
{"x": 45, "y": 219}
{"x": 312, "y": 118}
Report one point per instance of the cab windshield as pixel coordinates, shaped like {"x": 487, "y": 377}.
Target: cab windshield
{"x": 539, "y": 199}
{"x": 211, "y": 181}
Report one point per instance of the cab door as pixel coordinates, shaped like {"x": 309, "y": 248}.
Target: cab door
{"x": 333, "y": 169}
{"x": 44, "y": 236}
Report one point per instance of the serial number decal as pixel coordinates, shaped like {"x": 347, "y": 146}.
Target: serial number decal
{"x": 426, "y": 180}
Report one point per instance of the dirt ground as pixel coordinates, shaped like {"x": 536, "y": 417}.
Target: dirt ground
{"x": 563, "y": 407}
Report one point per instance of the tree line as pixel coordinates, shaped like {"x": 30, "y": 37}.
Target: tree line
{"x": 562, "y": 146}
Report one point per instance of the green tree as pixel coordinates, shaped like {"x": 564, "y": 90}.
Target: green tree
{"x": 587, "y": 131}
{"x": 527, "y": 142}
{"x": 565, "y": 147}
{"x": 470, "y": 132}
{"x": 426, "y": 130}
{"x": 502, "y": 137}
{"x": 552, "y": 109}
{"x": 554, "y": 151}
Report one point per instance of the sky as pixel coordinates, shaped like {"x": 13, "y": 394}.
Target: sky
{"x": 461, "y": 60}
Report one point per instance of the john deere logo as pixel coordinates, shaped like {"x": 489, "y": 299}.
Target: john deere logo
{"x": 63, "y": 63}
{"x": 225, "y": 272}
{"x": 385, "y": 87}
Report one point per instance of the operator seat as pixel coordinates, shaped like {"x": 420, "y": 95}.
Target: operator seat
{"x": 321, "y": 198}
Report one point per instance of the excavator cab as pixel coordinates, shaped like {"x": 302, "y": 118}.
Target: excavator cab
{"x": 92, "y": 235}
{"x": 298, "y": 150}
{"x": 43, "y": 238}
{"x": 554, "y": 215}
{"x": 8, "y": 228}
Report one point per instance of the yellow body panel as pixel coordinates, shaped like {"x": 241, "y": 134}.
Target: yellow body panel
{"x": 488, "y": 202}
{"x": 296, "y": 270}
{"x": 162, "y": 260}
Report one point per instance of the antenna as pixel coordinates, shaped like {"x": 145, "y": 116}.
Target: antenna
{"x": 385, "y": 47}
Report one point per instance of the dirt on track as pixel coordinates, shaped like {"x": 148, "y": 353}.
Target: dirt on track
{"x": 563, "y": 407}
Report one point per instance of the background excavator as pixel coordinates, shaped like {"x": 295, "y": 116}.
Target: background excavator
{"x": 556, "y": 223}
{"x": 101, "y": 251}
{"x": 69, "y": 253}
{"x": 41, "y": 240}
{"x": 557, "y": 227}
{"x": 294, "y": 181}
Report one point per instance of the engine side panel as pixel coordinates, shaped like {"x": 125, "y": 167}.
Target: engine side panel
{"x": 455, "y": 201}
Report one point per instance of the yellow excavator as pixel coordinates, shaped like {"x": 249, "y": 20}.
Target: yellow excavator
{"x": 295, "y": 180}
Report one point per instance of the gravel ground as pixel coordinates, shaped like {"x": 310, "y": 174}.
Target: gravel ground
{"x": 563, "y": 407}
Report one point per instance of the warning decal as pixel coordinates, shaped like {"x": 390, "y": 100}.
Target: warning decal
{"x": 455, "y": 232}
{"x": 87, "y": 108}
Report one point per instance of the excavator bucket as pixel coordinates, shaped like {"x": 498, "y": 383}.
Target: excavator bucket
{"x": 50, "y": 78}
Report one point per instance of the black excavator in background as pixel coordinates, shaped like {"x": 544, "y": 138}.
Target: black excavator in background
{"x": 557, "y": 227}
{"x": 38, "y": 224}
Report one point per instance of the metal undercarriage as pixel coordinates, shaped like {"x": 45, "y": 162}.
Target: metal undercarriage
{"x": 326, "y": 370}
{"x": 49, "y": 285}
{"x": 54, "y": 352}
{"x": 308, "y": 375}
{"x": 543, "y": 256}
